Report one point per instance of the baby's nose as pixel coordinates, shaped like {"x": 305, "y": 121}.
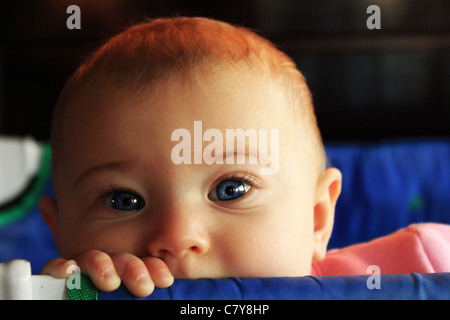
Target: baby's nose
{"x": 179, "y": 234}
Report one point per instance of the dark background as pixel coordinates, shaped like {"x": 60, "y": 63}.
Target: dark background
{"x": 367, "y": 84}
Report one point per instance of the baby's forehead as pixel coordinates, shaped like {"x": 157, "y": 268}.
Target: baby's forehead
{"x": 220, "y": 96}
{"x": 201, "y": 79}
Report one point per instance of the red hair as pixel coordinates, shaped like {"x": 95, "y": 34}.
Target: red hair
{"x": 151, "y": 50}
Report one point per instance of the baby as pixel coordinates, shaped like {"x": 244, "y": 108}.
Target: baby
{"x": 139, "y": 201}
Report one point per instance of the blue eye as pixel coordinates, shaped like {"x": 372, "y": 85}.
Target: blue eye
{"x": 124, "y": 201}
{"x": 229, "y": 190}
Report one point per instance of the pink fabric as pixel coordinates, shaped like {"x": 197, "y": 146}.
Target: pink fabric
{"x": 421, "y": 248}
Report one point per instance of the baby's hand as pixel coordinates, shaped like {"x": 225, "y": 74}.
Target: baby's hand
{"x": 107, "y": 270}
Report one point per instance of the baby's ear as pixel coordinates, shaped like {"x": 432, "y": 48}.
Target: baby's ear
{"x": 49, "y": 212}
{"x": 327, "y": 192}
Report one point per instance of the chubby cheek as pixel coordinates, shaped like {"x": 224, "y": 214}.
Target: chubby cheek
{"x": 271, "y": 250}
{"x": 81, "y": 236}
{"x": 275, "y": 261}
{"x": 74, "y": 241}
{"x": 268, "y": 262}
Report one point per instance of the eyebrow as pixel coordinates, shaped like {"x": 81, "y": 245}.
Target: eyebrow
{"x": 235, "y": 155}
{"x": 111, "y": 166}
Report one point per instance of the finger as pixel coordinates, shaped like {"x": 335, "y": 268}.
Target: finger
{"x": 134, "y": 274}
{"x": 160, "y": 273}
{"x": 59, "y": 268}
{"x": 99, "y": 266}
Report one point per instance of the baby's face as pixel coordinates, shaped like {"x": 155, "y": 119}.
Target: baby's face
{"x": 119, "y": 187}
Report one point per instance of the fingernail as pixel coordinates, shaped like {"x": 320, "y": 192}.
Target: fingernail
{"x": 145, "y": 284}
{"x": 71, "y": 262}
{"x": 164, "y": 273}
{"x": 143, "y": 278}
{"x": 110, "y": 275}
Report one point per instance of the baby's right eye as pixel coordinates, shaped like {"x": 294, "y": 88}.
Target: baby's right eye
{"x": 123, "y": 201}
{"x": 229, "y": 190}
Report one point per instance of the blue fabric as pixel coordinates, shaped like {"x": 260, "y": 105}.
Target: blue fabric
{"x": 389, "y": 186}
{"x": 29, "y": 238}
{"x": 392, "y": 287}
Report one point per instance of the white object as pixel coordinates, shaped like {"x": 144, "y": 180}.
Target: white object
{"x": 19, "y": 163}
{"x": 17, "y": 283}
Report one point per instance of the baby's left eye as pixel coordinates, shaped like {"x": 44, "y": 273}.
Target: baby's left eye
{"x": 228, "y": 190}
{"x": 124, "y": 201}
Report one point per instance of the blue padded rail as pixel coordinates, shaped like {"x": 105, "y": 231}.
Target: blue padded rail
{"x": 392, "y": 287}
